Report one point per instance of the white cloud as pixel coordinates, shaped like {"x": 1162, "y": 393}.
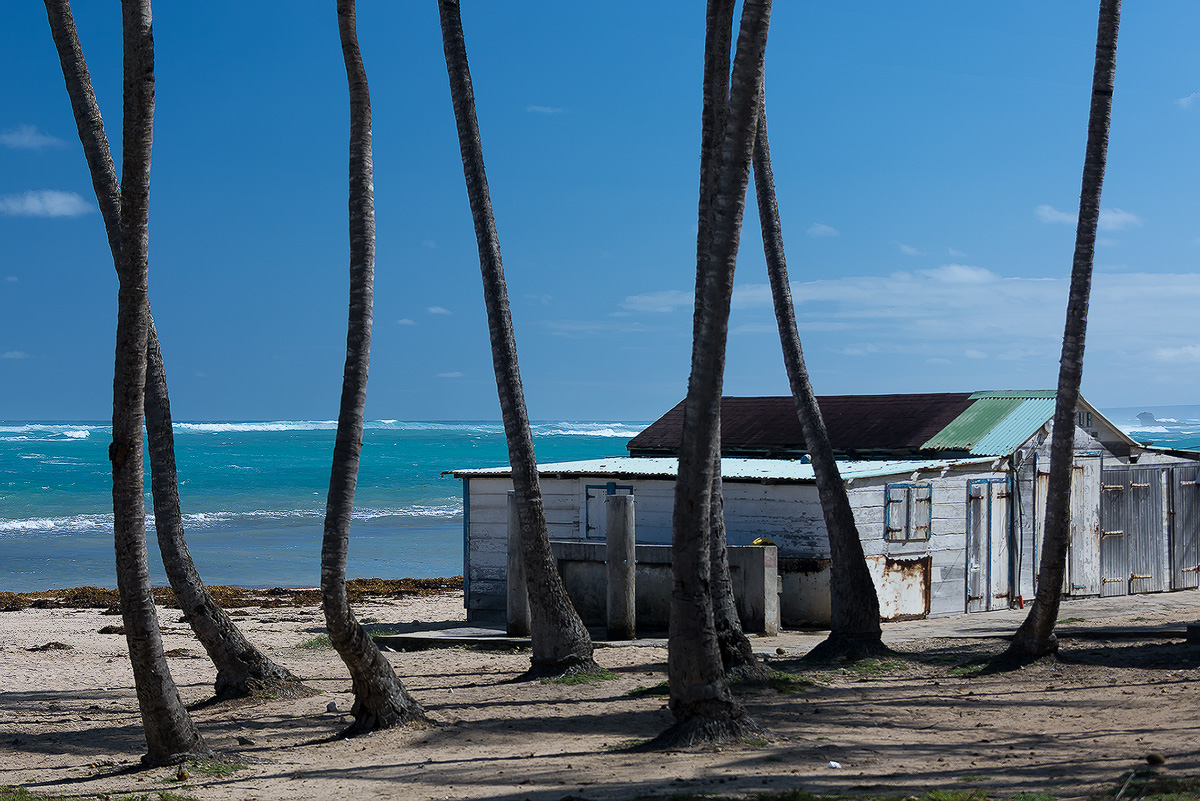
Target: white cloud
{"x": 1110, "y": 219}
{"x": 957, "y": 254}
{"x": 454, "y": 374}
{"x": 1187, "y": 354}
{"x": 10, "y": 279}
{"x": 1117, "y": 219}
{"x": 438, "y": 310}
{"x": 909, "y": 250}
{"x": 45, "y": 203}
{"x": 960, "y": 274}
{"x": 821, "y": 229}
{"x": 14, "y": 354}
{"x": 1189, "y": 101}
{"x": 27, "y": 137}
{"x": 971, "y": 353}
{"x": 429, "y": 243}
{"x": 583, "y": 329}
{"x": 1049, "y": 214}
{"x": 544, "y": 109}
{"x": 405, "y": 321}
{"x": 667, "y": 300}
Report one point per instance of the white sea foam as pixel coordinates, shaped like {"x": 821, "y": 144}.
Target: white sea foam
{"x": 276, "y": 425}
{"x": 72, "y": 523}
{"x": 623, "y": 430}
{"x": 47, "y": 432}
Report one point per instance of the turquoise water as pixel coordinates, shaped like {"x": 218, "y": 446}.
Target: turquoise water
{"x": 253, "y": 497}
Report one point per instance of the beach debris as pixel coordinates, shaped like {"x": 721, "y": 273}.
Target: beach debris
{"x": 181, "y": 774}
{"x": 52, "y": 646}
{"x": 112, "y": 630}
{"x": 244, "y": 741}
{"x": 835, "y": 765}
{"x": 332, "y": 707}
{"x": 1155, "y": 758}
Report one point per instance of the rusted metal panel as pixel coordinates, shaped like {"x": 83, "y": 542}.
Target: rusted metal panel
{"x": 1084, "y": 560}
{"x": 902, "y": 584}
{"x": 1185, "y": 527}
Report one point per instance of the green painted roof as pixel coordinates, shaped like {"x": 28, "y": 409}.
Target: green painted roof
{"x": 973, "y": 424}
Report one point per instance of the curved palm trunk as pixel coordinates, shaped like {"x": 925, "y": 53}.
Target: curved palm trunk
{"x": 737, "y": 655}
{"x": 380, "y": 699}
{"x": 855, "y": 629}
{"x": 561, "y": 643}
{"x": 241, "y": 668}
{"x": 704, "y": 708}
{"x": 170, "y": 734}
{"x": 1035, "y": 637}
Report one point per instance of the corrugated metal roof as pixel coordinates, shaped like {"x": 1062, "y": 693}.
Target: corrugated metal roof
{"x": 1023, "y": 394}
{"x": 975, "y": 423}
{"x": 1021, "y": 424}
{"x": 732, "y": 469}
{"x": 857, "y": 424}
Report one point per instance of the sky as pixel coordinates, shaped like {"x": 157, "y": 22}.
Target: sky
{"x": 927, "y": 157}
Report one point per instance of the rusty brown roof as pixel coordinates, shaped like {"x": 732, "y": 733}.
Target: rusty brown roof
{"x": 861, "y": 425}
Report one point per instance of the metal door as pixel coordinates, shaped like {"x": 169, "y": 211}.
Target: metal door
{"x": 594, "y": 518}
{"x": 1185, "y": 527}
{"x": 1133, "y": 546}
{"x": 1083, "y": 554}
{"x": 1115, "y": 499}
{"x": 989, "y": 532}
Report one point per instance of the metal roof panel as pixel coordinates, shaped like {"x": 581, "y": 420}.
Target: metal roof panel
{"x": 972, "y": 425}
{"x": 1021, "y": 424}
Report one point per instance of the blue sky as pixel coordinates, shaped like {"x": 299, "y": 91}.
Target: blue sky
{"x": 927, "y": 157}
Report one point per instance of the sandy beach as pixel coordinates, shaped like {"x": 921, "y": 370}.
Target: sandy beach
{"x": 922, "y": 720}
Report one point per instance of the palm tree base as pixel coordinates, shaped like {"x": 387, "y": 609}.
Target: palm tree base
{"x": 1024, "y": 649}
{"x": 389, "y": 713}
{"x": 544, "y": 668}
{"x": 703, "y": 730}
{"x": 281, "y": 685}
{"x": 199, "y": 752}
{"x": 848, "y": 648}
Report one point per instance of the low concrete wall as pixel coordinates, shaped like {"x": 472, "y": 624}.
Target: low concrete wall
{"x": 753, "y": 568}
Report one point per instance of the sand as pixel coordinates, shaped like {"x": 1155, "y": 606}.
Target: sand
{"x": 69, "y": 721}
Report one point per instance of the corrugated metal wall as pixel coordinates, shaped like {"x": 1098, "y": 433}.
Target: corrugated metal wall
{"x": 1133, "y": 545}
{"x": 1185, "y": 527}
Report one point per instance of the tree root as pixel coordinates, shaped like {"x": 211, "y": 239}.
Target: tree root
{"x": 1023, "y": 651}
{"x": 702, "y": 732}
{"x": 540, "y": 669}
{"x": 200, "y": 753}
{"x": 847, "y": 648}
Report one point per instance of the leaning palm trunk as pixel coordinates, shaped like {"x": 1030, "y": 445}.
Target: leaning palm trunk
{"x": 855, "y": 629}
{"x": 170, "y": 734}
{"x": 1035, "y": 637}
{"x": 704, "y": 708}
{"x": 561, "y": 643}
{"x": 380, "y": 700}
{"x": 737, "y": 655}
{"x": 241, "y": 668}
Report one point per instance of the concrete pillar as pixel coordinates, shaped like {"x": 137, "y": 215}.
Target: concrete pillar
{"x": 518, "y": 592}
{"x": 621, "y": 556}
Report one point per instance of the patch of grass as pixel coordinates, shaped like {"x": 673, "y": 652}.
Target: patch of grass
{"x": 625, "y": 745}
{"x": 660, "y": 690}
{"x": 584, "y": 678}
{"x": 967, "y": 671}
{"x": 21, "y": 794}
{"x": 1147, "y": 785}
{"x": 756, "y": 742}
{"x": 973, "y": 778}
{"x": 319, "y": 643}
{"x": 1071, "y": 620}
{"x": 956, "y": 795}
{"x": 1033, "y": 797}
{"x": 215, "y": 768}
{"x": 872, "y": 667}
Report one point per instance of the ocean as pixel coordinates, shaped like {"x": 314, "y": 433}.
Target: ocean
{"x": 254, "y": 494}
{"x": 253, "y": 498}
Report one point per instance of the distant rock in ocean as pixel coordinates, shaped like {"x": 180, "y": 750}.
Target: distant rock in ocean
{"x": 1146, "y": 419}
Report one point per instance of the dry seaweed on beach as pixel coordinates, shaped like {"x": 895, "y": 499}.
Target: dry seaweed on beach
{"x": 232, "y": 597}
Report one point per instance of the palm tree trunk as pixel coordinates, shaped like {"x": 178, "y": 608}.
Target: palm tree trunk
{"x": 380, "y": 699}
{"x": 855, "y": 631}
{"x": 170, "y": 734}
{"x": 737, "y": 655}
{"x": 704, "y": 708}
{"x": 241, "y": 668}
{"x": 561, "y": 643}
{"x": 1035, "y": 637}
